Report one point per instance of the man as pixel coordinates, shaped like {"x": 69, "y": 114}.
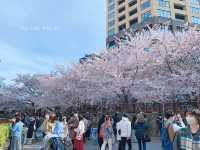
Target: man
{"x": 124, "y": 131}
{"x": 189, "y": 138}
{"x": 171, "y": 125}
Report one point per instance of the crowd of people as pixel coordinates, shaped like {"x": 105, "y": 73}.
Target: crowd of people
{"x": 114, "y": 132}
{"x": 56, "y": 131}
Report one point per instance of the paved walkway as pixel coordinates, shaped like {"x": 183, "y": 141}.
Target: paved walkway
{"x": 91, "y": 145}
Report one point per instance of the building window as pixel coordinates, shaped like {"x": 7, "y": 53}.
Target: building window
{"x": 163, "y": 3}
{"x": 111, "y": 44}
{"x": 122, "y": 28}
{"x": 111, "y": 32}
{"x": 195, "y": 2}
{"x": 121, "y": 9}
{"x": 111, "y": 15}
{"x": 111, "y": 7}
{"x": 121, "y": 2}
{"x": 111, "y": 1}
{"x": 111, "y": 23}
{"x": 122, "y": 18}
{"x": 196, "y": 20}
{"x": 132, "y": 12}
{"x": 146, "y": 15}
{"x": 132, "y": 3}
{"x": 146, "y": 5}
{"x": 179, "y": 7}
{"x": 163, "y": 13}
{"x": 133, "y": 22}
{"x": 195, "y": 10}
{"x": 180, "y": 17}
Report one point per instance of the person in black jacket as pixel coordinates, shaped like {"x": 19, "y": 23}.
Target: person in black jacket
{"x": 100, "y": 122}
{"x": 141, "y": 127}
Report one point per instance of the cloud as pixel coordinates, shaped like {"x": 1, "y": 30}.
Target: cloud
{"x": 13, "y": 62}
{"x": 23, "y": 49}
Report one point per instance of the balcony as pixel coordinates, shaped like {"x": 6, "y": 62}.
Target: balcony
{"x": 179, "y": 9}
{"x": 120, "y": 2}
{"x": 179, "y": 2}
{"x": 179, "y": 17}
{"x": 132, "y": 3}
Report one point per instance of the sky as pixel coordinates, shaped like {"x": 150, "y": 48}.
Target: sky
{"x": 38, "y": 35}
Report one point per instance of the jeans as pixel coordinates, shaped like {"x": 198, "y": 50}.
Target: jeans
{"x": 105, "y": 142}
{"x": 122, "y": 143}
{"x": 141, "y": 143}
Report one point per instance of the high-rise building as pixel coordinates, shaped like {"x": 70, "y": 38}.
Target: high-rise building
{"x": 134, "y": 15}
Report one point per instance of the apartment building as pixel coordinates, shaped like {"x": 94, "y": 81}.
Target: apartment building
{"x": 134, "y": 15}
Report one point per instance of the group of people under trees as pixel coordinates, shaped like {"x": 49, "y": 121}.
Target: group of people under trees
{"x": 180, "y": 132}
{"x": 119, "y": 129}
{"x": 57, "y": 132}
{"x": 114, "y": 132}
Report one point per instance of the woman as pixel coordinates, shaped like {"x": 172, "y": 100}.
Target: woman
{"x": 44, "y": 124}
{"x": 107, "y": 131}
{"x": 79, "y": 141}
{"x": 73, "y": 124}
{"x": 141, "y": 127}
{"x": 188, "y": 138}
{"x": 49, "y": 129}
{"x": 57, "y": 137}
{"x": 16, "y": 131}
{"x": 31, "y": 129}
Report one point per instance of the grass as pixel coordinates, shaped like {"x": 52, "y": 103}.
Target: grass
{"x": 4, "y": 134}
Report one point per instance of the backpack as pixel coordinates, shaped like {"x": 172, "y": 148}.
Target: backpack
{"x": 167, "y": 141}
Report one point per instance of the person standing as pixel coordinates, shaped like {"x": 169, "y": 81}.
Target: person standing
{"x": 141, "y": 127}
{"x": 79, "y": 140}
{"x": 107, "y": 131}
{"x": 188, "y": 138}
{"x": 124, "y": 130}
{"x": 73, "y": 124}
{"x": 16, "y": 129}
{"x": 43, "y": 126}
{"x": 100, "y": 136}
{"x": 49, "y": 129}
{"x": 56, "y": 140}
{"x": 31, "y": 129}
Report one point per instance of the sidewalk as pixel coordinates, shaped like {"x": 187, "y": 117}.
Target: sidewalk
{"x": 91, "y": 145}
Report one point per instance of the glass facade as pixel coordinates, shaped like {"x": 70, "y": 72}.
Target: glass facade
{"x": 163, "y": 13}
{"x": 196, "y": 20}
{"x": 146, "y": 15}
{"x": 195, "y": 2}
{"x": 111, "y": 32}
{"x": 145, "y": 5}
{"x": 111, "y": 17}
{"x": 195, "y": 10}
{"x": 111, "y": 1}
{"x": 164, "y": 3}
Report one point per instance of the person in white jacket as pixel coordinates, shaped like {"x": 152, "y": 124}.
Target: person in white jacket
{"x": 124, "y": 133}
